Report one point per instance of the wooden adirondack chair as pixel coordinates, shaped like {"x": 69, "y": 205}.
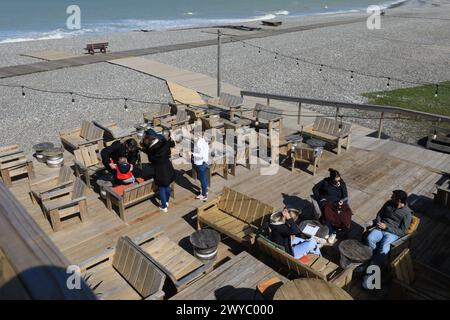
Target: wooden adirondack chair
{"x": 305, "y": 155}
{"x": 174, "y": 122}
{"x": 125, "y": 272}
{"x": 65, "y": 202}
{"x": 13, "y": 162}
{"x": 87, "y": 135}
{"x": 112, "y": 132}
{"x": 87, "y": 163}
{"x": 228, "y": 103}
{"x": 414, "y": 280}
{"x": 50, "y": 183}
{"x": 155, "y": 116}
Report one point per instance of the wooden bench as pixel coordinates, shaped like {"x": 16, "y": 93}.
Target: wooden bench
{"x": 91, "y": 47}
{"x": 65, "y": 202}
{"x": 439, "y": 139}
{"x": 130, "y": 274}
{"x": 132, "y": 195}
{"x": 330, "y": 130}
{"x": 310, "y": 266}
{"x": 87, "y": 135}
{"x": 112, "y": 132}
{"x": 235, "y": 215}
{"x": 180, "y": 266}
{"x": 87, "y": 163}
{"x": 413, "y": 280}
{"x": 13, "y": 163}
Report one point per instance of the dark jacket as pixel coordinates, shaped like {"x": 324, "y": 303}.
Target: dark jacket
{"x": 158, "y": 156}
{"x": 281, "y": 234}
{"x": 397, "y": 221}
{"x": 115, "y": 151}
{"x": 326, "y": 190}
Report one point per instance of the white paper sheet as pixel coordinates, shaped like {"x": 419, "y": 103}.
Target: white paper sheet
{"x": 310, "y": 230}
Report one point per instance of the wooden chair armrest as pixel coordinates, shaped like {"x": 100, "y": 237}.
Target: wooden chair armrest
{"x": 110, "y": 192}
{"x": 56, "y": 187}
{"x": 400, "y": 241}
{"x": 148, "y": 235}
{"x": 187, "y": 279}
{"x": 156, "y": 296}
{"x": 36, "y": 182}
{"x": 56, "y": 193}
{"x": 94, "y": 260}
{"x": 67, "y": 132}
{"x": 89, "y": 141}
{"x": 208, "y": 205}
{"x": 80, "y": 165}
{"x": 62, "y": 205}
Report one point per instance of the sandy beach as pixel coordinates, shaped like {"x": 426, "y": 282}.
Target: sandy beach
{"x": 413, "y": 47}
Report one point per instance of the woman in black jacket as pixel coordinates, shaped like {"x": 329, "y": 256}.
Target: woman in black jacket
{"x": 157, "y": 150}
{"x": 127, "y": 149}
{"x": 285, "y": 232}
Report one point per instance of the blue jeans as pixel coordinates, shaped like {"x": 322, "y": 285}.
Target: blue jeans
{"x": 301, "y": 247}
{"x": 381, "y": 240}
{"x": 202, "y": 169}
{"x": 164, "y": 195}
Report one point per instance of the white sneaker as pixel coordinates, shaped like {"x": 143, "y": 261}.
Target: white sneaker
{"x": 167, "y": 204}
{"x": 199, "y": 197}
{"x": 332, "y": 238}
{"x": 163, "y": 209}
{"x": 327, "y": 236}
{"x": 320, "y": 240}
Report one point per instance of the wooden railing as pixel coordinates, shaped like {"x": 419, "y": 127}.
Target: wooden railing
{"x": 382, "y": 110}
{"x": 31, "y": 266}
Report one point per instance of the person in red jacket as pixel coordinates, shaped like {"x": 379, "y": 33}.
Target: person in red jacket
{"x": 123, "y": 171}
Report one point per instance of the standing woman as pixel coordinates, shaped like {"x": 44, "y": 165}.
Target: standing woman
{"x": 332, "y": 195}
{"x": 200, "y": 160}
{"x": 157, "y": 150}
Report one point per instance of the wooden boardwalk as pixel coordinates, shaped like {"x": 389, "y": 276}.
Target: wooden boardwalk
{"x": 12, "y": 71}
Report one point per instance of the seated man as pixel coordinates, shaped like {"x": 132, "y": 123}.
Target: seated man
{"x": 391, "y": 223}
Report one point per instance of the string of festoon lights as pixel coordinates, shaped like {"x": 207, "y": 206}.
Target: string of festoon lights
{"x": 322, "y": 66}
{"x": 126, "y": 100}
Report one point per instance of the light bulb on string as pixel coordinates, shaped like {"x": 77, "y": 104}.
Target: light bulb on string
{"x": 298, "y": 63}
{"x": 434, "y": 134}
{"x": 351, "y": 76}
{"x": 321, "y": 67}
{"x": 437, "y": 91}
{"x": 259, "y": 50}
{"x": 125, "y": 104}
{"x": 73, "y": 99}
{"x": 23, "y": 91}
{"x": 276, "y": 56}
{"x": 388, "y": 82}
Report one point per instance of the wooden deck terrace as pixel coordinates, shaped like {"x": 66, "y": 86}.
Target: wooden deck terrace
{"x": 372, "y": 168}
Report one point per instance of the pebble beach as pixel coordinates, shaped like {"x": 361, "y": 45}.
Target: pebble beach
{"x": 415, "y": 48}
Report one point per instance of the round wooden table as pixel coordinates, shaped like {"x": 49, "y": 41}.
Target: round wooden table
{"x": 205, "y": 243}
{"x": 323, "y": 229}
{"x": 310, "y": 289}
{"x": 353, "y": 253}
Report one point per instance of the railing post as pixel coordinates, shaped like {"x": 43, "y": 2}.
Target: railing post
{"x": 380, "y": 125}
{"x": 299, "y": 112}
{"x": 268, "y": 101}
{"x": 337, "y": 113}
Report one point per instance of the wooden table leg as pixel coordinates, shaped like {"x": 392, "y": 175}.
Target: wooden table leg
{"x": 30, "y": 170}
{"x": 6, "y": 177}
{"x": 55, "y": 220}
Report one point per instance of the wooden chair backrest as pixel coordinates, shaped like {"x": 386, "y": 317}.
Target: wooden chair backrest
{"x": 137, "y": 268}
{"x": 181, "y": 116}
{"x": 138, "y": 191}
{"x": 89, "y": 131}
{"x": 244, "y": 207}
{"x": 164, "y": 109}
{"x": 331, "y": 127}
{"x": 229, "y": 100}
{"x": 264, "y": 112}
{"x": 9, "y": 149}
{"x": 87, "y": 155}
{"x": 65, "y": 174}
{"x": 210, "y": 121}
{"x": 277, "y": 253}
{"x": 78, "y": 189}
{"x": 305, "y": 154}
{"x": 403, "y": 267}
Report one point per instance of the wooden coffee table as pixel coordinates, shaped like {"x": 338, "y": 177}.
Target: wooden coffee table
{"x": 310, "y": 289}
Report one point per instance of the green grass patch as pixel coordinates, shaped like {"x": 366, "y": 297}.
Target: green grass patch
{"x": 417, "y": 98}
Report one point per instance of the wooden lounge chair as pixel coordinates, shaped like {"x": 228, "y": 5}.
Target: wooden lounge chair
{"x": 65, "y": 202}
{"x": 63, "y": 179}
{"x": 155, "y": 116}
{"x": 125, "y": 272}
{"x": 234, "y": 214}
{"x": 195, "y": 114}
{"x": 174, "y": 122}
{"x": 404, "y": 242}
{"x": 330, "y": 130}
{"x": 414, "y": 280}
{"x": 305, "y": 155}
{"x": 132, "y": 195}
{"x": 309, "y": 266}
{"x": 228, "y": 104}
{"x": 87, "y": 163}
{"x": 88, "y": 134}
{"x": 112, "y": 132}
{"x": 180, "y": 266}
{"x": 13, "y": 163}
{"x": 270, "y": 119}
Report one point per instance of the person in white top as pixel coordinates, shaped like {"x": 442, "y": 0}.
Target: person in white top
{"x": 200, "y": 159}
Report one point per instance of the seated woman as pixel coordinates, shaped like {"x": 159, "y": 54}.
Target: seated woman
{"x": 286, "y": 233}
{"x": 332, "y": 196}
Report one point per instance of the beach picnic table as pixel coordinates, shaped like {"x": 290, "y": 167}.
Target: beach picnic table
{"x": 310, "y": 289}
{"x": 236, "y": 279}
{"x": 353, "y": 253}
